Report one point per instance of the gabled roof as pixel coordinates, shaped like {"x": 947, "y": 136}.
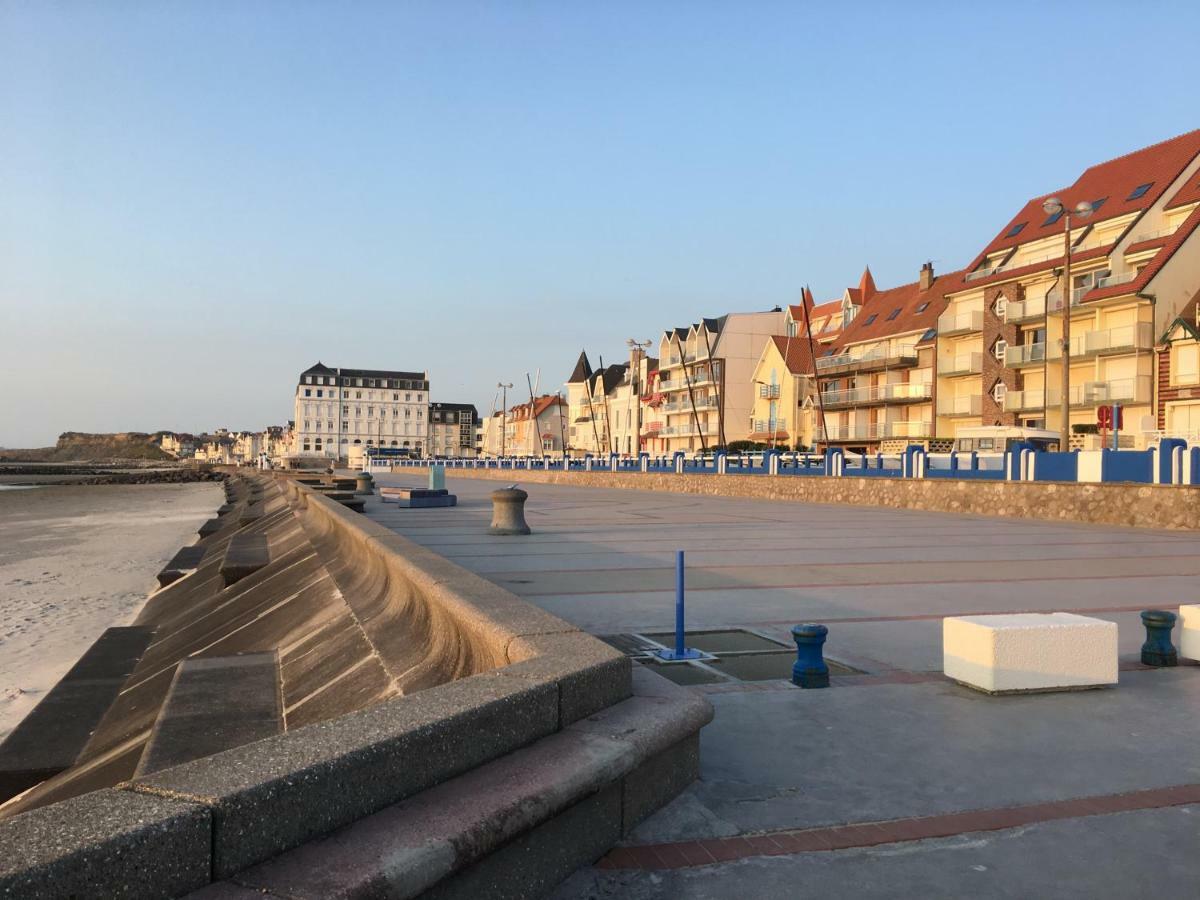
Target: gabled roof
{"x": 918, "y": 310}
{"x": 794, "y": 351}
{"x": 582, "y": 371}
{"x": 1189, "y": 193}
{"x": 866, "y": 285}
{"x": 1114, "y": 181}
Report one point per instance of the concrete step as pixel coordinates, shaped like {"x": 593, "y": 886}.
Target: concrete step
{"x": 512, "y": 828}
{"x": 212, "y": 526}
{"x": 185, "y": 561}
{"x": 215, "y": 704}
{"x": 245, "y": 555}
{"x": 50, "y": 738}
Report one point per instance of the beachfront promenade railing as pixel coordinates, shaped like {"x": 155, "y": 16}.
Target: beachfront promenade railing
{"x": 1172, "y": 461}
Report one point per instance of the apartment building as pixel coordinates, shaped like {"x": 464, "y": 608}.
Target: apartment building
{"x": 527, "y": 429}
{"x": 452, "y": 429}
{"x": 705, "y": 378}
{"x": 877, "y": 379}
{"x": 340, "y": 408}
{"x": 180, "y": 446}
{"x": 1135, "y": 264}
{"x": 783, "y": 381}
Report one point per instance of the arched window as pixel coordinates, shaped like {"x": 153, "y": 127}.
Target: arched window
{"x": 306, "y": 446}
{"x": 393, "y": 443}
{"x": 357, "y": 441}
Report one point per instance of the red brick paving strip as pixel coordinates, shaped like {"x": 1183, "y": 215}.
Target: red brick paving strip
{"x": 690, "y": 854}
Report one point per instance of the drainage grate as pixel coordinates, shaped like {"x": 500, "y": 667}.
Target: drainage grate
{"x": 730, "y": 655}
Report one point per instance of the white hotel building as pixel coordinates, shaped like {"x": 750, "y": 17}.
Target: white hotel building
{"x": 337, "y": 409}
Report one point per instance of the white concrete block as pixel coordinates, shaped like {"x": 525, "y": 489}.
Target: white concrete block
{"x": 1029, "y": 651}
{"x": 1189, "y": 632}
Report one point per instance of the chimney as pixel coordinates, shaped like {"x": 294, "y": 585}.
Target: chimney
{"x": 927, "y": 276}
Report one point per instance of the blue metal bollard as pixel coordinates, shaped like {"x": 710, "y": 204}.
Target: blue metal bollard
{"x": 1158, "y": 649}
{"x": 810, "y": 670}
{"x": 680, "y": 651}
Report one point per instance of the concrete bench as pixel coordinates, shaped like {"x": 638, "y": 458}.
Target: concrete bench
{"x": 251, "y": 514}
{"x": 245, "y": 555}
{"x": 185, "y": 561}
{"x": 51, "y": 737}
{"x": 212, "y": 526}
{"x": 1189, "y": 631}
{"x": 225, "y": 508}
{"x": 418, "y": 498}
{"x": 214, "y": 704}
{"x": 1029, "y": 652}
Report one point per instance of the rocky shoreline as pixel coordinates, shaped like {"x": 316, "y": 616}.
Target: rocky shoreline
{"x": 121, "y": 473}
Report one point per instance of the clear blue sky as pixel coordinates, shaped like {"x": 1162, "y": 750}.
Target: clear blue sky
{"x": 199, "y": 200}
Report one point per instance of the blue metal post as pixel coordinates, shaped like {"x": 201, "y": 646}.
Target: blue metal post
{"x": 681, "y": 651}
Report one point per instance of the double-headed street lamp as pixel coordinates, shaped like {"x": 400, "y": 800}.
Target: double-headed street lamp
{"x": 1054, "y": 207}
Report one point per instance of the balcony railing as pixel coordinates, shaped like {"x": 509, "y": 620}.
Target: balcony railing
{"x": 768, "y": 391}
{"x": 1017, "y": 401}
{"x": 963, "y": 364}
{"x": 1127, "y": 338}
{"x": 1151, "y": 235}
{"x": 874, "y": 431}
{"x": 1022, "y": 310}
{"x": 1089, "y": 393}
{"x": 960, "y": 323}
{"x": 959, "y": 406}
{"x": 880, "y": 358}
{"x": 901, "y": 392}
{"x": 1025, "y": 355}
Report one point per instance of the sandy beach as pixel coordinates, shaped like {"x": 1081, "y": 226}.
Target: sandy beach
{"x": 75, "y": 560}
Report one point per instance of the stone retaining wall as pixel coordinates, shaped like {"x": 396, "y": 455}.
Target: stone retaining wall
{"x": 1139, "y": 505}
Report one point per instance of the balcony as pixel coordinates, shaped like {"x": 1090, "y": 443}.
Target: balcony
{"x": 901, "y": 392}
{"x": 949, "y": 323}
{"x": 959, "y": 406}
{"x": 1025, "y": 310}
{"x": 684, "y": 404}
{"x": 1020, "y": 401}
{"x": 1126, "y": 339}
{"x": 768, "y": 391}
{"x": 1025, "y": 355}
{"x": 1153, "y": 235}
{"x": 871, "y": 361}
{"x": 874, "y": 431}
{"x": 963, "y": 364}
{"x": 1089, "y": 393}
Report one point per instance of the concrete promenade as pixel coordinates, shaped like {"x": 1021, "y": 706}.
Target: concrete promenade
{"x": 895, "y": 782}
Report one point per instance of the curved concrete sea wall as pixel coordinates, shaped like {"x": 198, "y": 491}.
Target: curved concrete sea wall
{"x": 399, "y": 674}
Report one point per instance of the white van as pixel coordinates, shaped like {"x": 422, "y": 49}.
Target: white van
{"x": 999, "y": 438}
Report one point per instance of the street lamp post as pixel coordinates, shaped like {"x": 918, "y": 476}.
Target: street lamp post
{"x": 636, "y": 349}
{"x": 503, "y": 414}
{"x": 1083, "y": 209}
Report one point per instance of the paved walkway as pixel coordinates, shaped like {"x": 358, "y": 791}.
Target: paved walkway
{"x": 895, "y": 782}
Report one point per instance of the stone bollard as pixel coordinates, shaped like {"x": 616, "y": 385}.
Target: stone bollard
{"x": 810, "y": 670}
{"x": 364, "y": 483}
{"x": 1158, "y": 649}
{"x": 508, "y": 511}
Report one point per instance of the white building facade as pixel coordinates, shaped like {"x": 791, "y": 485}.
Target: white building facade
{"x": 337, "y": 409}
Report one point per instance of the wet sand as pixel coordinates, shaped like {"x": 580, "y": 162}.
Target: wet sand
{"x": 74, "y": 560}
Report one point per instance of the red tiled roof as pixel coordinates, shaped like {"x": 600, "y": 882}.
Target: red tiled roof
{"x": 1189, "y": 193}
{"x": 824, "y": 309}
{"x": 1158, "y": 165}
{"x": 908, "y": 299}
{"x": 866, "y": 284}
{"x": 794, "y": 351}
